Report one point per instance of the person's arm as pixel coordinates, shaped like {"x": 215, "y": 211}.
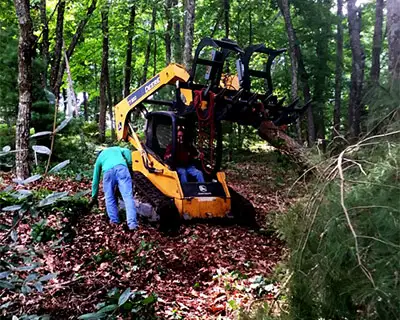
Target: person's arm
{"x": 96, "y": 178}
{"x": 168, "y": 152}
{"x": 127, "y": 156}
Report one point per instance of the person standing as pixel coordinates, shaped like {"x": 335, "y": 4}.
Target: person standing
{"x": 114, "y": 162}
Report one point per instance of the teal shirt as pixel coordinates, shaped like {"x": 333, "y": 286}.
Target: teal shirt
{"x": 108, "y": 159}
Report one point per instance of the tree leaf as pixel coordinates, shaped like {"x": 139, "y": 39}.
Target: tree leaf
{"x": 18, "y": 181}
{"x": 124, "y": 297}
{"x": 6, "y": 305}
{"x": 63, "y": 124}
{"x": 6, "y": 149}
{"x": 6, "y": 284}
{"x": 15, "y": 207}
{"x": 14, "y": 235}
{"x": 150, "y": 299}
{"x": 108, "y": 308}
{"x": 59, "y": 166}
{"x": 92, "y": 316}
{"x": 39, "y": 286}
{"x": 52, "y": 198}
{"x": 47, "y": 277}
{"x": 31, "y": 277}
{"x": 26, "y": 268}
{"x": 41, "y": 133}
{"x": 41, "y": 149}
{"x": 4, "y": 274}
{"x": 51, "y": 98}
{"x": 32, "y": 179}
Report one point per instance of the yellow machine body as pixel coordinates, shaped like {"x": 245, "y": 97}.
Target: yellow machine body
{"x": 161, "y": 176}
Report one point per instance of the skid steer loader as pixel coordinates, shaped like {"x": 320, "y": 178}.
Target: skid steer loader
{"x": 199, "y": 101}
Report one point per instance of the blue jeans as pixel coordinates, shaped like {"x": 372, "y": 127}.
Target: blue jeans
{"x": 183, "y": 172}
{"x": 119, "y": 175}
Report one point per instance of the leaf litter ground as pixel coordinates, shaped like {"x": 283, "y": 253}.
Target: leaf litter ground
{"x": 208, "y": 271}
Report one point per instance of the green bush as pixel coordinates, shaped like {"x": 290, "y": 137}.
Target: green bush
{"x": 345, "y": 241}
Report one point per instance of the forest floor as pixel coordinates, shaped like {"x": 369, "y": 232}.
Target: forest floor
{"x": 208, "y": 271}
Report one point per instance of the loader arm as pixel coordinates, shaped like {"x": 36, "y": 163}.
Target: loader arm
{"x": 169, "y": 75}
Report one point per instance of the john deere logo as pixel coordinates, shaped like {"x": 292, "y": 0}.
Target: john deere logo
{"x": 202, "y": 188}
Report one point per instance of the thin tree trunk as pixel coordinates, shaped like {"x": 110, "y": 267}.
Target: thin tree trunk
{"x": 104, "y": 73}
{"x": 293, "y": 46}
{"x": 377, "y": 42}
{"x": 177, "y": 39}
{"x": 338, "y": 70}
{"x": 393, "y": 26}
{"x": 250, "y": 27}
{"x": 129, "y": 48}
{"x": 45, "y": 41}
{"x": 226, "y": 17}
{"x": 25, "y": 55}
{"x": 155, "y": 55}
{"x": 168, "y": 32}
{"x": 148, "y": 49}
{"x": 85, "y": 107}
{"x": 55, "y": 66}
{"x": 357, "y": 71}
{"x": 190, "y": 6}
{"x": 75, "y": 39}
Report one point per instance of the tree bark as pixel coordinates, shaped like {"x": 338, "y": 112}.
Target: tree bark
{"x": 129, "y": 48}
{"x": 148, "y": 49}
{"x": 74, "y": 42}
{"x": 338, "y": 70}
{"x": 85, "y": 107}
{"x": 168, "y": 32}
{"x": 377, "y": 42}
{"x": 393, "y": 27}
{"x": 177, "y": 39}
{"x": 357, "y": 70}
{"x": 296, "y": 53}
{"x": 45, "y": 41}
{"x": 25, "y": 55}
{"x": 189, "y": 10}
{"x": 55, "y": 66}
{"x": 284, "y": 143}
{"x": 104, "y": 73}
{"x": 226, "y": 17}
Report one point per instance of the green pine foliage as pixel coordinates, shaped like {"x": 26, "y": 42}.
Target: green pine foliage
{"x": 345, "y": 239}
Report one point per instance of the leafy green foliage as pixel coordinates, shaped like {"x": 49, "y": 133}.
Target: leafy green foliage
{"x": 137, "y": 304}
{"x": 41, "y": 232}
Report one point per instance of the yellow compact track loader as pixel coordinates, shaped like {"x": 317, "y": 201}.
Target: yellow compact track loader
{"x": 199, "y": 104}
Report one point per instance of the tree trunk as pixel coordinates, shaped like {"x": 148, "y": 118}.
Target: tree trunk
{"x": 168, "y": 32}
{"x": 85, "y": 107}
{"x": 393, "y": 26}
{"x": 188, "y": 32}
{"x": 45, "y": 41}
{"x": 25, "y": 55}
{"x": 74, "y": 42}
{"x": 377, "y": 42}
{"x": 296, "y": 53}
{"x": 104, "y": 74}
{"x": 226, "y": 17}
{"x": 284, "y": 143}
{"x": 55, "y": 66}
{"x": 148, "y": 49}
{"x": 293, "y": 69}
{"x": 129, "y": 48}
{"x": 177, "y": 40}
{"x": 338, "y": 70}
{"x": 357, "y": 71}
